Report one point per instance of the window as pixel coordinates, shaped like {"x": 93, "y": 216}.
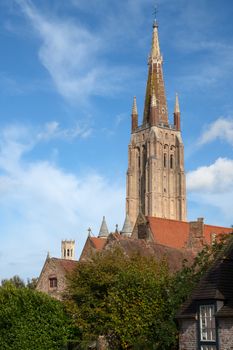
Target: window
{"x": 165, "y": 160}
{"x": 171, "y": 162}
{"x": 68, "y": 252}
{"x": 207, "y": 327}
{"x": 207, "y": 323}
{"x": 53, "y": 282}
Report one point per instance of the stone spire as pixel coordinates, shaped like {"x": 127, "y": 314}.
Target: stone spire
{"x": 103, "y": 233}
{"x": 155, "y": 82}
{"x": 127, "y": 227}
{"x": 177, "y": 105}
{"x": 134, "y": 116}
{"x": 155, "y": 49}
{"x": 134, "y": 108}
{"x": 177, "y": 114}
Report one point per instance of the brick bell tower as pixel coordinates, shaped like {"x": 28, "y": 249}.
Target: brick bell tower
{"x": 155, "y": 177}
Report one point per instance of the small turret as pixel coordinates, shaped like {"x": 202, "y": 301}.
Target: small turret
{"x": 103, "y": 233}
{"x": 177, "y": 114}
{"x": 68, "y": 249}
{"x": 134, "y": 115}
{"x": 127, "y": 227}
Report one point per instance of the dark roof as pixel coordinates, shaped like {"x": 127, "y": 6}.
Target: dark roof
{"x": 66, "y": 265}
{"x": 216, "y": 284}
{"x": 130, "y": 246}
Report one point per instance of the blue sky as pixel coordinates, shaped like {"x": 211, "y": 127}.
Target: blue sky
{"x": 68, "y": 74}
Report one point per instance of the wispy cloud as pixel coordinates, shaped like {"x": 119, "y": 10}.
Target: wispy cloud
{"x": 53, "y": 130}
{"x": 74, "y": 56}
{"x": 40, "y": 204}
{"x": 221, "y": 129}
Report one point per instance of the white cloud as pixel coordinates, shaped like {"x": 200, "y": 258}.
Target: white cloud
{"x": 215, "y": 178}
{"x": 221, "y": 129}
{"x": 213, "y": 186}
{"x": 40, "y": 204}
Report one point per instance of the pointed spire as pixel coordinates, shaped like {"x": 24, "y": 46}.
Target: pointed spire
{"x": 177, "y": 105}
{"x": 134, "y": 109}
{"x": 155, "y": 49}
{"x": 103, "y": 233}
{"x": 48, "y": 256}
{"x": 177, "y": 114}
{"x": 155, "y": 81}
{"x": 127, "y": 227}
{"x": 89, "y": 232}
{"x": 134, "y": 116}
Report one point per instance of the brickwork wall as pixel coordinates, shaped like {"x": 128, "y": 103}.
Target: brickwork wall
{"x": 188, "y": 335}
{"x": 225, "y": 333}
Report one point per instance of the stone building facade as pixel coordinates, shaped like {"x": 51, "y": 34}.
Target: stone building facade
{"x": 156, "y": 177}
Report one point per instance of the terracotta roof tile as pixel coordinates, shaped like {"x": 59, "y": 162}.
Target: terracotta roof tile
{"x": 209, "y": 230}
{"x": 98, "y": 243}
{"x": 172, "y": 233}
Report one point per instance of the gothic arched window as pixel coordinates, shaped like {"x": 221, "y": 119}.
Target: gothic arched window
{"x": 165, "y": 160}
{"x": 171, "y": 162}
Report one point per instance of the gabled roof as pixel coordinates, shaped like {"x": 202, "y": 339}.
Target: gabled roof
{"x": 216, "y": 284}
{"x": 98, "y": 243}
{"x": 66, "y": 265}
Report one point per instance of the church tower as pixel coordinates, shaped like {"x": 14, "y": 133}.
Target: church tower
{"x": 155, "y": 177}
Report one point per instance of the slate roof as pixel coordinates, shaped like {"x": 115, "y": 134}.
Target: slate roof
{"x": 216, "y": 284}
{"x": 66, "y": 265}
{"x": 130, "y": 246}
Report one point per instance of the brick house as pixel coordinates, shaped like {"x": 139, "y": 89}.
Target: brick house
{"x": 52, "y": 279}
{"x": 206, "y": 318}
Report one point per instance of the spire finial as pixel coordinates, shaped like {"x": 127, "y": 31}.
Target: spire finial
{"x": 155, "y": 12}
{"x": 155, "y": 50}
{"x": 89, "y": 232}
{"x": 134, "y": 109}
{"x": 177, "y": 106}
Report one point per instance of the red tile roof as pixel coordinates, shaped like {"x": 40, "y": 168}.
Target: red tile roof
{"x": 210, "y": 230}
{"x": 171, "y": 233}
{"x": 98, "y": 243}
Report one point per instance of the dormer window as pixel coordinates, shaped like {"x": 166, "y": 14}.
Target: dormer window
{"x": 207, "y": 327}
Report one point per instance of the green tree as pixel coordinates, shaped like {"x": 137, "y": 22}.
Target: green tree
{"x": 31, "y": 320}
{"x": 15, "y": 280}
{"x": 132, "y": 301}
{"x": 123, "y": 298}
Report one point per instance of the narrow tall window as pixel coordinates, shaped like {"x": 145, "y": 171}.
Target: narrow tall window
{"x": 207, "y": 327}
{"x": 171, "y": 161}
{"x": 165, "y": 160}
{"x": 68, "y": 252}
